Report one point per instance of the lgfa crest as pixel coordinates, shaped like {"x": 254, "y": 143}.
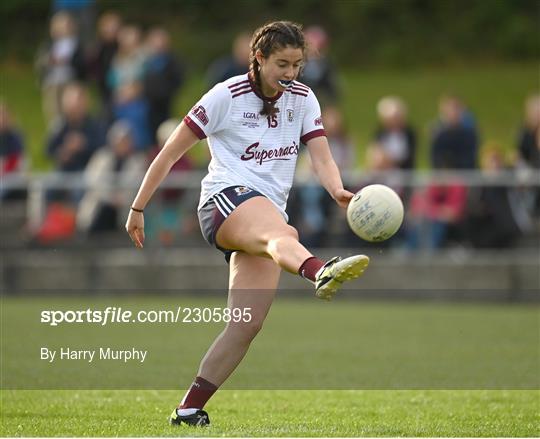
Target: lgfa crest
{"x": 290, "y": 115}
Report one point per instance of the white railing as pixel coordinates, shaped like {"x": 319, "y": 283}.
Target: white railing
{"x": 38, "y": 184}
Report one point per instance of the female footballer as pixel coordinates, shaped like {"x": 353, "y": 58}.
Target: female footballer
{"x": 255, "y": 124}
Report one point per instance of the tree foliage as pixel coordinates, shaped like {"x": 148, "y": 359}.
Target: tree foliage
{"x": 394, "y": 32}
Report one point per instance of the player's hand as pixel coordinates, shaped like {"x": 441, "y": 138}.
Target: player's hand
{"x": 343, "y": 197}
{"x": 135, "y": 228}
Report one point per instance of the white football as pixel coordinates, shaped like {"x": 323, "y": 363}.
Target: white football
{"x": 375, "y": 213}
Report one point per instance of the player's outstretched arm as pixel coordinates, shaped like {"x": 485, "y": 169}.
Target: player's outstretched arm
{"x": 327, "y": 171}
{"x": 180, "y": 141}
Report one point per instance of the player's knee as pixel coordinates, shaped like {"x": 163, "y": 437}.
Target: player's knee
{"x": 291, "y": 232}
{"x": 282, "y": 236}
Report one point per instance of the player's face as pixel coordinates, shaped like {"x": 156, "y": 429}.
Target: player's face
{"x": 283, "y": 64}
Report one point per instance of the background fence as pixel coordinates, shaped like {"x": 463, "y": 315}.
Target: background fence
{"x": 485, "y": 253}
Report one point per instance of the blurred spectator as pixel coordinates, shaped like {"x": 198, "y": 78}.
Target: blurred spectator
{"x": 231, "y": 65}
{"x": 394, "y": 135}
{"x": 11, "y": 144}
{"x": 131, "y": 106}
{"x": 102, "y": 56}
{"x": 379, "y": 165}
{"x": 128, "y": 64}
{"x": 529, "y": 137}
{"x": 529, "y": 154}
{"x": 307, "y": 205}
{"x": 12, "y": 160}
{"x": 319, "y": 73}
{"x": 77, "y": 135}
{"x": 112, "y": 176}
{"x": 491, "y": 222}
{"x": 125, "y": 77}
{"x": 455, "y": 140}
{"x": 343, "y": 149}
{"x": 59, "y": 62}
{"x": 173, "y": 218}
{"x": 162, "y": 79}
{"x": 73, "y": 140}
{"x": 435, "y": 212}
{"x": 378, "y": 159}
{"x": 83, "y": 11}
{"x": 58, "y": 224}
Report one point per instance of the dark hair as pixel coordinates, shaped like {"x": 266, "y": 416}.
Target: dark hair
{"x": 269, "y": 38}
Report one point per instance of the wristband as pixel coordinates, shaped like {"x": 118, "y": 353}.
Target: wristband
{"x": 137, "y": 210}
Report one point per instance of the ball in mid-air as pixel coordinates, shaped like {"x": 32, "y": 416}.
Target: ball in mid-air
{"x": 375, "y": 213}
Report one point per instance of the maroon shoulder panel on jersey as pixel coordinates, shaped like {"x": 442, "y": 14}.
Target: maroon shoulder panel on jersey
{"x": 195, "y": 128}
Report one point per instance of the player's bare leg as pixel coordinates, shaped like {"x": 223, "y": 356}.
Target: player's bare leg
{"x": 257, "y": 227}
{"x": 252, "y": 285}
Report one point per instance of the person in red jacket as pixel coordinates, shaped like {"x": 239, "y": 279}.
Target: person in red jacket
{"x": 433, "y": 211}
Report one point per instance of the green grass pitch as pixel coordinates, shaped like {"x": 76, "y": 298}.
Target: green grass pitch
{"x": 306, "y": 346}
{"x": 276, "y": 413}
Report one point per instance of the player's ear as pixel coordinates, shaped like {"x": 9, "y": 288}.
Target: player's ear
{"x": 259, "y": 57}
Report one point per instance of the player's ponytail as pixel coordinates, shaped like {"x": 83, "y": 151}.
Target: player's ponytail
{"x": 269, "y": 38}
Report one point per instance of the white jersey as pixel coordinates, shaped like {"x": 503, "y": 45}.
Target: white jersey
{"x": 249, "y": 149}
